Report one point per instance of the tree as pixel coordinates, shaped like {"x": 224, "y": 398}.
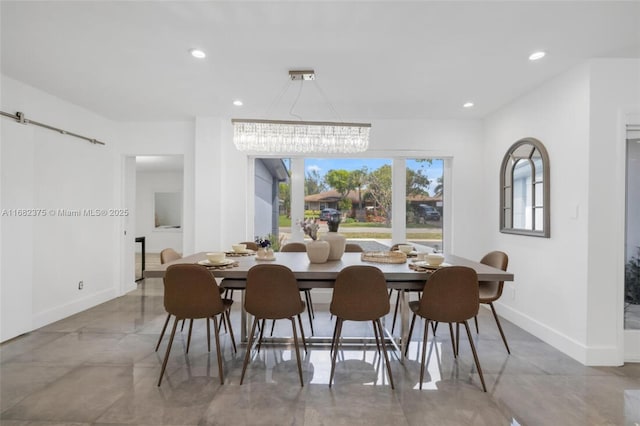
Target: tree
{"x": 284, "y": 190}
{"x": 338, "y": 180}
{"x": 417, "y": 183}
{"x": 356, "y": 181}
{"x": 379, "y": 189}
{"x": 438, "y": 189}
{"x": 314, "y": 183}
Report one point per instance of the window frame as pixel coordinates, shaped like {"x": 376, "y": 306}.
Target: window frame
{"x": 510, "y": 157}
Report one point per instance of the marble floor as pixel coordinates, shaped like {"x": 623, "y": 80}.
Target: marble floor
{"x": 99, "y": 367}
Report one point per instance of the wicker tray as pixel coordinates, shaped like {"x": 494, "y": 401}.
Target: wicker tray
{"x": 384, "y": 257}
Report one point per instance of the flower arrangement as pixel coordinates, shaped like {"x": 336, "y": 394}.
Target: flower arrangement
{"x": 263, "y": 242}
{"x": 310, "y": 228}
{"x": 270, "y": 241}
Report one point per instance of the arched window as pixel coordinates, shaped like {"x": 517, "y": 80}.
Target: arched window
{"x": 524, "y": 189}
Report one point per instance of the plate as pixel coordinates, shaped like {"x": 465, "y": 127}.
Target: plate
{"x": 224, "y": 262}
{"x": 424, "y": 264}
{"x": 266, "y": 258}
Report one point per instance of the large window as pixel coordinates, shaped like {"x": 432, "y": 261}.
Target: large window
{"x": 361, "y": 191}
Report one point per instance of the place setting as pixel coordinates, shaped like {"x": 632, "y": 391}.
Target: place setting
{"x": 218, "y": 260}
{"x": 428, "y": 262}
{"x": 239, "y": 250}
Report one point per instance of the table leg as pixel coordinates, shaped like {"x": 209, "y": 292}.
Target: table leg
{"x": 404, "y": 322}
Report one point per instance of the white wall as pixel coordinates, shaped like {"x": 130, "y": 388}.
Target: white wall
{"x": 564, "y": 293}
{"x": 615, "y": 91}
{"x": 147, "y": 184}
{"x": 44, "y": 258}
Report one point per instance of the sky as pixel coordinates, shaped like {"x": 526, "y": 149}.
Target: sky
{"x": 323, "y": 165}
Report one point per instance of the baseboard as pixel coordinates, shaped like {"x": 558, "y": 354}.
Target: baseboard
{"x": 591, "y": 356}
{"x": 59, "y": 312}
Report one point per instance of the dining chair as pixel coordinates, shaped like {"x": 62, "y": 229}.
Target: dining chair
{"x": 191, "y": 292}
{"x": 301, "y": 248}
{"x": 353, "y": 248}
{"x": 167, "y": 255}
{"x": 272, "y": 293}
{"x": 490, "y": 291}
{"x": 360, "y": 294}
{"x": 450, "y": 295}
{"x": 398, "y": 292}
{"x": 251, "y": 245}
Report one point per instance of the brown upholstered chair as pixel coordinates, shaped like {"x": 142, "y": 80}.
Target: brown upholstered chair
{"x": 169, "y": 255}
{"x": 360, "y": 294}
{"x": 490, "y": 291}
{"x": 301, "y": 248}
{"x": 191, "y": 292}
{"x": 251, "y": 245}
{"x": 450, "y": 295}
{"x": 353, "y": 248}
{"x": 272, "y": 293}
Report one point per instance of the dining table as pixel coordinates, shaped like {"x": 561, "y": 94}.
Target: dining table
{"x": 399, "y": 276}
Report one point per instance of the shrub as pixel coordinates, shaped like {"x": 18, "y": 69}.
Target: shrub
{"x": 632, "y": 280}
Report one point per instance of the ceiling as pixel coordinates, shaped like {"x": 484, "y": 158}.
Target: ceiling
{"x": 129, "y": 60}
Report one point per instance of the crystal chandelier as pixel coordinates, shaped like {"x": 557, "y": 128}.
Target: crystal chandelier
{"x": 278, "y": 136}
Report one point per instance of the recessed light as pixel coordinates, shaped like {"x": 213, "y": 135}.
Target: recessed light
{"x": 197, "y": 53}
{"x": 237, "y": 102}
{"x": 537, "y": 55}
{"x": 468, "y": 104}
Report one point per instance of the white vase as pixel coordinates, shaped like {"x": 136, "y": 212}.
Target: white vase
{"x": 337, "y": 243}
{"x": 318, "y": 251}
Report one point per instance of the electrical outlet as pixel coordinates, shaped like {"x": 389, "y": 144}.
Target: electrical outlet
{"x": 80, "y": 285}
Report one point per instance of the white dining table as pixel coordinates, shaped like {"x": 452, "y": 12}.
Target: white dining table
{"x": 322, "y": 275}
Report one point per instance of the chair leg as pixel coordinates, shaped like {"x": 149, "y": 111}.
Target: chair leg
{"x": 189, "y": 338}
{"x": 209, "y": 335}
{"x": 182, "y": 327}
{"x": 395, "y": 311}
{"x": 386, "y": 356}
{"x": 475, "y": 320}
{"x": 406, "y": 346}
{"x": 219, "y": 353}
{"x": 307, "y": 295}
{"x": 248, "y": 353}
{"x": 166, "y": 356}
{"x": 304, "y": 341}
{"x": 434, "y": 326}
{"x": 164, "y": 328}
{"x": 457, "y": 338}
{"x": 310, "y": 303}
{"x": 333, "y": 339}
{"x": 261, "y": 334}
{"x": 504, "y": 339}
{"x": 453, "y": 342}
{"x": 475, "y": 356}
{"x": 225, "y": 314}
{"x": 273, "y": 326}
{"x": 336, "y": 346}
{"x": 295, "y": 341}
{"x": 375, "y": 332}
{"x": 424, "y": 351}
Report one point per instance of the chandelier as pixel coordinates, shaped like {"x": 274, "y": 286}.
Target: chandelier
{"x": 281, "y": 136}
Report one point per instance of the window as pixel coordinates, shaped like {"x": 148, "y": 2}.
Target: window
{"x": 524, "y": 189}
{"x": 424, "y": 189}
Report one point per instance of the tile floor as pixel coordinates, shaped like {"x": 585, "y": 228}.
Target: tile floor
{"x": 99, "y": 367}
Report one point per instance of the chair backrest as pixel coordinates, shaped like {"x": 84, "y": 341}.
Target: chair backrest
{"x": 294, "y": 247}
{"x": 360, "y": 294}
{"x": 190, "y": 291}
{"x": 496, "y": 259}
{"x": 168, "y": 255}
{"x": 353, "y": 248}
{"x": 450, "y": 295}
{"x": 251, "y": 245}
{"x": 272, "y": 292}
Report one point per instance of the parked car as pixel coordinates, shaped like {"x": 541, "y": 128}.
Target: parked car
{"x": 428, "y": 212}
{"x": 325, "y": 214}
